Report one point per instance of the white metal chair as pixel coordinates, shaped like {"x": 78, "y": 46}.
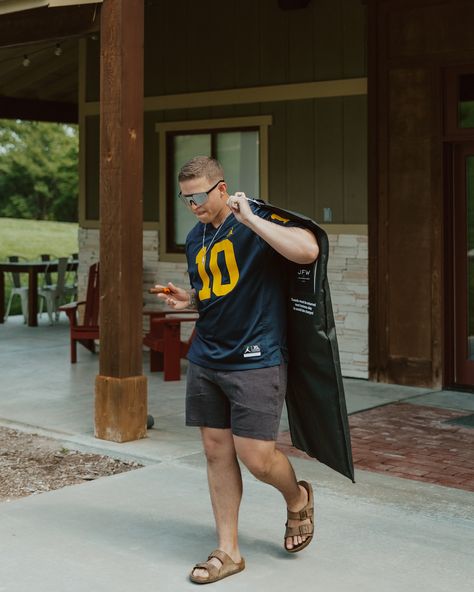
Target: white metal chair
{"x": 71, "y": 282}
{"x": 54, "y": 293}
{"x": 48, "y": 280}
{"x": 17, "y": 290}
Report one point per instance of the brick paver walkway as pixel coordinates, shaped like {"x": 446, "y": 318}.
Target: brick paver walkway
{"x": 410, "y": 441}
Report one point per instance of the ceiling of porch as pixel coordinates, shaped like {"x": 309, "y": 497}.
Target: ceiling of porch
{"x": 39, "y": 61}
{"x": 36, "y": 72}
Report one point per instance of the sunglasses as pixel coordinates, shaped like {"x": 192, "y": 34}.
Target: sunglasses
{"x": 198, "y": 199}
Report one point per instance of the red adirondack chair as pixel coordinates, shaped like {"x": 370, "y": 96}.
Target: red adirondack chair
{"x": 88, "y": 331}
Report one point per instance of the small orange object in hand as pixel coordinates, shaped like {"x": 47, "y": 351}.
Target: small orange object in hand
{"x": 159, "y": 291}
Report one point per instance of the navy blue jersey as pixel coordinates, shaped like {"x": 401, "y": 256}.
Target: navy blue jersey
{"x": 240, "y": 283}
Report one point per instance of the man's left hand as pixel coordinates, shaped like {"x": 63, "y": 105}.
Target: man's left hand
{"x": 240, "y": 207}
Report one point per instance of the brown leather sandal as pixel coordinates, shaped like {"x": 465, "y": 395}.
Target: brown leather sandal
{"x": 303, "y": 529}
{"x": 228, "y": 568}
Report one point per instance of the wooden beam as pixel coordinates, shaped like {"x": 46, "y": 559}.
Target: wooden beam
{"x": 36, "y": 110}
{"x": 121, "y": 408}
{"x": 45, "y": 24}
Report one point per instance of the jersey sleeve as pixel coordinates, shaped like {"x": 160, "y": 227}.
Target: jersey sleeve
{"x": 275, "y": 218}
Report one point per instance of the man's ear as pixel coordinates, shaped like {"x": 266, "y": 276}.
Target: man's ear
{"x": 223, "y": 188}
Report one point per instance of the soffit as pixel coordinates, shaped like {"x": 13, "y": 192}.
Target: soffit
{"x": 35, "y": 33}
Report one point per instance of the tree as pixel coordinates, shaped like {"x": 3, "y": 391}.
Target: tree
{"x": 38, "y": 170}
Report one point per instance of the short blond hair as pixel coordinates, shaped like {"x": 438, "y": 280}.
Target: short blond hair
{"x": 201, "y": 166}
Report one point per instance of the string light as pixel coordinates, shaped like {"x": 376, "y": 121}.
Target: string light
{"x": 26, "y": 60}
{"x": 56, "y": 49}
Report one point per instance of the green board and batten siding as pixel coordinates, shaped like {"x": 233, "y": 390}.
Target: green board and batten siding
{"x": 317, "y": 147}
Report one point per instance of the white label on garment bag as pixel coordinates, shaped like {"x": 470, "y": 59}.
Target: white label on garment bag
{"x": 303, "y": 306}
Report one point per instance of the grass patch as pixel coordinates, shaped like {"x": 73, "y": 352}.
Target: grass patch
{"x": 31, "y": 238}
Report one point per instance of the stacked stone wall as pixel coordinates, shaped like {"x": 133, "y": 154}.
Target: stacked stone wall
{"x": 349, "y": 283}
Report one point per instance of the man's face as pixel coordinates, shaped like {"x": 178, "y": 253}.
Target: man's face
{"x": 215, "y": 202}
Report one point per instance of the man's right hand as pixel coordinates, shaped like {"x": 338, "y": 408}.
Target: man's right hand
{"x": 173, "y": 296}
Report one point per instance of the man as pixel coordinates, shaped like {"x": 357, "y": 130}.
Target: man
{"x": 236, "y": 379}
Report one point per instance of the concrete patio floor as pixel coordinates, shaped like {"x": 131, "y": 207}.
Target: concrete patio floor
{"x": 144, "y": 529}
{"x": 41, "y": 391}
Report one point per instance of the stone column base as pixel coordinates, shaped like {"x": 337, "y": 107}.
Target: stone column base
{"x": 120, "y": 408}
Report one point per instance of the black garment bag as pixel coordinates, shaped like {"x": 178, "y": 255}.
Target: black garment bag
{"x": 315, "y": 396}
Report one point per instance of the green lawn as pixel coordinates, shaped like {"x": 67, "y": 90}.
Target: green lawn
{"x": 29, "y": 239}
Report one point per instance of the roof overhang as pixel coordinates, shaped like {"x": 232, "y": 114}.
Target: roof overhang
{"x": 9, "y": 6}
{"x": 29, "y": 26}
{"x": 47, "y": 91}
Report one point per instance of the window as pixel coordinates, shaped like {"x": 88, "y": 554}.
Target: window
{"x": 466, "y": 101}
{"x": 459, "y": 102}
{"x": 240, "y": 144}
{"x": 238, "y": 152}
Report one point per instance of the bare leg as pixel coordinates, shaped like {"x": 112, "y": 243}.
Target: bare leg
{"x": 269, "y": 465}
{"x": 225, "y": 488}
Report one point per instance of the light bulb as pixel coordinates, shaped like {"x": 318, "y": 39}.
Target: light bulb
{"x": 26, "y": 61}
{"x": 58, "y": 50}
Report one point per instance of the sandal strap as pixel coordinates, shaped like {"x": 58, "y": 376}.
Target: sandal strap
{"x": 211, "y": 569}
{"x": 308, "y": 510}
{"x": 301, "y": 515}
{"x": 302, "y": 529}
{"x": 221, "y": 556}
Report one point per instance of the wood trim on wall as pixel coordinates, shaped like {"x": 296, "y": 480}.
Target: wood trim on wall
{"x": 228, "y": 122}
{"x": 259, "y": 94}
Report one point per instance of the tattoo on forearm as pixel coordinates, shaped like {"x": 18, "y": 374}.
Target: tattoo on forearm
{"x": 193, "y": 299}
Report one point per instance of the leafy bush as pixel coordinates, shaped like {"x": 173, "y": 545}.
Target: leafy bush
{"x": 38, "y": 170}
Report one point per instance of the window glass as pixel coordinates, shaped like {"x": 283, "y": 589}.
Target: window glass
{"x": 466, "y": 101}
{"x": 238, "y": 153}
{"x": 185, "y": 148}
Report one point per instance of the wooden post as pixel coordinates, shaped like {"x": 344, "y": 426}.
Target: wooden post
{"x": 121, "y": 389}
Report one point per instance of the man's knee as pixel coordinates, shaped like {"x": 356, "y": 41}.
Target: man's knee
{"x": 257, "y": 460}
{"x": 260, "y": 468}
{"x": 218, "y": 444}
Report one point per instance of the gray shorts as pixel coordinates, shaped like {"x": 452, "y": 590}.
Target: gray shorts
{"x": 249, "y": 402}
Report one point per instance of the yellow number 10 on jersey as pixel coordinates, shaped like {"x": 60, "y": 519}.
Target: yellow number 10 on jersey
{"x": 218, "y": 288}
